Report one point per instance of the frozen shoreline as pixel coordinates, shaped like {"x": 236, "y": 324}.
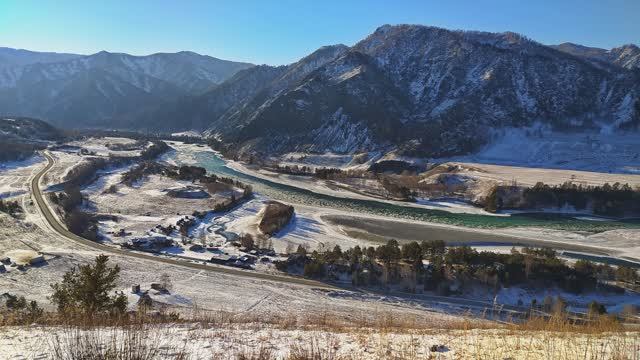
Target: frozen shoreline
{"x": 622, "y": 243}
{"x": 318, "y": 188}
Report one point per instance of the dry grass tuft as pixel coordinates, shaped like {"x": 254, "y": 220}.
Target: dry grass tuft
{"x": 374, "y": 335}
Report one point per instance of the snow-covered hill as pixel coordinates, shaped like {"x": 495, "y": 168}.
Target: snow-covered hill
{"x": 427, "y": 91}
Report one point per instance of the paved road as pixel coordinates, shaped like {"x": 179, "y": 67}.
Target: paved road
{"x": 60, "y": 229}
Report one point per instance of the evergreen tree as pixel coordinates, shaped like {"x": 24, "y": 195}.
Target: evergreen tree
{"x": 86, "y": 288}
{"x": 389, "y": 254}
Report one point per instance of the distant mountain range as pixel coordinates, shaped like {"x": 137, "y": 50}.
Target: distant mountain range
{"x": 418, "y": 90}
{"x": 91, "y": 91}
{"x": 18, "y": 57}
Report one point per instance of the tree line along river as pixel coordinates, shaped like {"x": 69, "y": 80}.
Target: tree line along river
{"x": 277, "y": 191}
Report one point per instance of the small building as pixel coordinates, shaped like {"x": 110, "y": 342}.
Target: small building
{"x": 36, "y": 260}
{"x": 157, "y": 286}
{"x": 135, "y": 288}
{"x": 248, "y": 259}
{"x": 5, "y": 260}
{"x": 196, "y": 247}
{"x": 220, "y": 259}
{"x": 151, "y": 243}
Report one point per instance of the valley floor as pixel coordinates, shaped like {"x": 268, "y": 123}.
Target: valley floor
{"x": 219, "y": 292}
{"x": 191, "y": 288}
{"x": 624, "y": 243}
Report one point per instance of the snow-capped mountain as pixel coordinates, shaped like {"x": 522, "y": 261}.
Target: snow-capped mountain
{"x": 434, "y": 92}
{"x": 416, "y": 90}
{"x": 231, "y": 104}
{"x": 96, "y": 89}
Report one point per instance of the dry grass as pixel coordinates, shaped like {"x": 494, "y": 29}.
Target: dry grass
{"x": 227, "y": 335}
{"x": 124, "y": 342}
{"x": 255, "y": 343}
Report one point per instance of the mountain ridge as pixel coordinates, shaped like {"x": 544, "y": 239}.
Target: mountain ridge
{"x": 40, "y": 89}
{"x": 626, "y": 55}
{"x": 445, "y": 93}
{"x": 419, "y": 90}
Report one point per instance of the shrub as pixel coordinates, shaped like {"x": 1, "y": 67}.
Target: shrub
{"x": 595, "y": 308}
{"x": 22, "y": 310}
{"x": 10, "y": 207}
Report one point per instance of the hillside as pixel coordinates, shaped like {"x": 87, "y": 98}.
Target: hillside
{"x": 426, "y": 91}
{"x": 626, "y": 56}
{"x": 20, "y": 137}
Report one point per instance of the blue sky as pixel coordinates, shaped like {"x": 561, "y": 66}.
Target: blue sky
{"x": 280, "y": 32}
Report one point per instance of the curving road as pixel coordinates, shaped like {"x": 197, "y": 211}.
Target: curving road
{"x": 60, "y": 229}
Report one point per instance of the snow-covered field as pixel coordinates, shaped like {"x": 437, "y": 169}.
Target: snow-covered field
{"x": 100, "y": 146}
{"x": 504, "y": 174}
{"x": 596, "y": 152}
{"x": 615, "y": 303}
{"x": 64, "y": 162}
{"x": 259, "y": 341}
{"x": 141, "y": 208}
{"x": 624, "y": 243}
{"x": 328, "y": 160}
{"x": 13, "y": 175}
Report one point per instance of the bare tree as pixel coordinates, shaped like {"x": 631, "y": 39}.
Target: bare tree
{"x": 203, "y": 238}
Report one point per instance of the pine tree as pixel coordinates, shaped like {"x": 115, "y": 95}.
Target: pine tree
{"x": 86, "y": 288}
